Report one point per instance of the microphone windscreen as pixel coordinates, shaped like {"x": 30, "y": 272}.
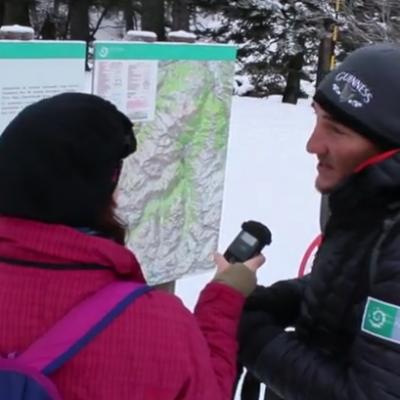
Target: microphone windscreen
{"x": 259, "y": 231}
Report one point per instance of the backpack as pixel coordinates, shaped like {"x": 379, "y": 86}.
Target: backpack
{"x": 25, "y": 376}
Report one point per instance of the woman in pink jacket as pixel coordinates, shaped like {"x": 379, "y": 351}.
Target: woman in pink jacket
{"x": 60, "y": 243}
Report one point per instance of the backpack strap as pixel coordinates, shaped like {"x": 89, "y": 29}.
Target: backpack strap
{"x": 81, "y": 325}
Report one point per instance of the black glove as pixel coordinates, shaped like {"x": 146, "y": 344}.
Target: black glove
{"x": 281, "y": 300}
{"x": 256, "y": 330}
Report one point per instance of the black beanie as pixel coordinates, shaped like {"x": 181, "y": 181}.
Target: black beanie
{"x": 363, "y": 93}
{"x": 59, "y": 158}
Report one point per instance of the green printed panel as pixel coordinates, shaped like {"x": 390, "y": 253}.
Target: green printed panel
{"x": 163, "y": 51}
{"x": 380, "y": 318}
{"x": 42, "y": 50}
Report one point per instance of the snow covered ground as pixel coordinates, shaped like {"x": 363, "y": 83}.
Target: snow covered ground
{"x": 269, "y": 178}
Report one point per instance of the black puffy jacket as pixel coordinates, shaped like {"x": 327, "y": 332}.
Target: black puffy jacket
{"x": 328, "y": 356}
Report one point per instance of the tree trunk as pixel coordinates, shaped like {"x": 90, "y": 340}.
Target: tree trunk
{"x": 79, "y": 19}
{"x": 129, "y": 15}
{"x": 79, "y": 23}
{"x": 325, "y": 53}
{"x": 292, "y": 89}
{"x": 1, "y": 12}
{"x": 34, "y": 20}
{"x": 16, "y": 12}
{"x": 153, "y": 18}
{"x": 48, "y": 31}
{"x": 180, "y": 15}
{"x": 56, "y": 7}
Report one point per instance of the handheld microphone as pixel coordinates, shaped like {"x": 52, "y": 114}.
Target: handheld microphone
{"x": 249, "y": 242}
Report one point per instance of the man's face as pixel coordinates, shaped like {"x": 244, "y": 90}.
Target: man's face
{"x": 339, "y": 150}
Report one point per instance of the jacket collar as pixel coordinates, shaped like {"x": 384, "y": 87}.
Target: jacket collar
{"x": 375, "y": 185}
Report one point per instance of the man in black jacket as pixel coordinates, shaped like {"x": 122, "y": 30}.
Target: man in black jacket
{"x": 345, "y": 344}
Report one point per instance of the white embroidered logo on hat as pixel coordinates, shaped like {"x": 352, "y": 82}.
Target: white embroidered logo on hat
{"x": 351, "y": 90}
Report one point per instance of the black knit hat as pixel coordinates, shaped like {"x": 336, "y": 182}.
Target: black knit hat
{"x": 59, "y": 158}
{"x": 363, "y": 93}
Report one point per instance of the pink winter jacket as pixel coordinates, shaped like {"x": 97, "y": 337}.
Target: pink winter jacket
{"x": 156, "y": 350}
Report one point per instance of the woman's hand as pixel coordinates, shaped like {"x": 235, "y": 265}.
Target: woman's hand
{"x": 253, "y": 264}
{"x": 240, "y": 276}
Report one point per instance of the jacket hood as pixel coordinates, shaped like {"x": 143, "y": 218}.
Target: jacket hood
{"x": 39, "y": 242}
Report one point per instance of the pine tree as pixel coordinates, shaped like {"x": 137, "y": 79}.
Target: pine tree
{"x": 369, "y": 21}
{"x": 274, "y": 38}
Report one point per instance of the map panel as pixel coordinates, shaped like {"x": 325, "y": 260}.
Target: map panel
{"x": 170, "y": 192}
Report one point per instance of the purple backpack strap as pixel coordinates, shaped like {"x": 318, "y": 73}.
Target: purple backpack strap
{"x": 80, "y": 326}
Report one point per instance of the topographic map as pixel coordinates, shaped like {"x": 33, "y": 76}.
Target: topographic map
{"x": 171, "y": 190}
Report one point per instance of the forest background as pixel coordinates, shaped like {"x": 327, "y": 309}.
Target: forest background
{"x": 283, "y": 45}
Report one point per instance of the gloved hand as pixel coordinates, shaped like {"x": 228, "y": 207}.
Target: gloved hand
{"x": 256, "y": 330}
{"x": 239, "y": 276}
{"x": 281, "y": 300}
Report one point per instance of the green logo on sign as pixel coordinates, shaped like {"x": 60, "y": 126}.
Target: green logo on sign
{"x": 103, "y": 52}
{"x": 382, "y": 319}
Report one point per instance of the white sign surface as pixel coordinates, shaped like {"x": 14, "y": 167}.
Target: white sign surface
{"x": 31, "y": 71}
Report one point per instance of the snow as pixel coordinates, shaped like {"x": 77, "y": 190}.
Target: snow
{"x": 269, "y": 4}
{"x": 16, "y": 29}
{"x": 209, "y": 21}
{"x": 111, "y": 28}
{"x": 16, "y": 32}
{"x": 182, "y": 34}
{"x": 242, "y": 85}
{"x": 270, "y": 178}
{"x": 141, "y": 34}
